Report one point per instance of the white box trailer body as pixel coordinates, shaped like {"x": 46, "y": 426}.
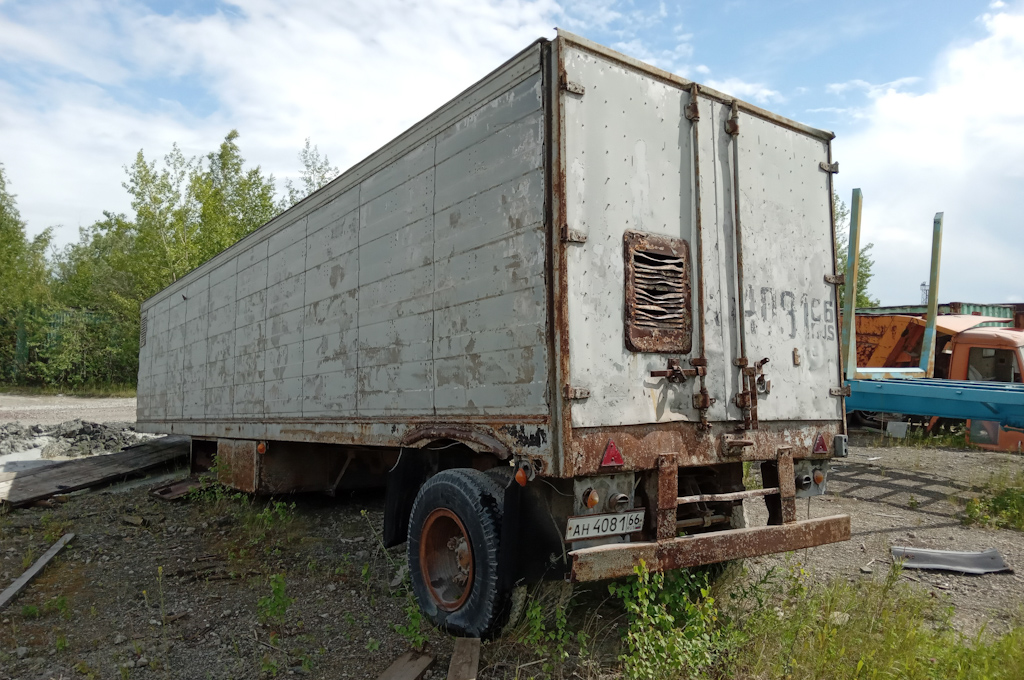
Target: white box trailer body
{"x": 582, "y": 269}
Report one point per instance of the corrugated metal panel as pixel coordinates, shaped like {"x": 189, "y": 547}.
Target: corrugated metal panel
{"x": 628, "y": 167}
{"x": 785, "y": 217}
{"x": 1001, "y": 311}
{"x": 419, "y": 292}
{"x": 460, "y": 108}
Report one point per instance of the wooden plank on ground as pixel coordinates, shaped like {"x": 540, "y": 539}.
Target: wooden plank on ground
{"x": 39, "y": 483}
{"x": 465, "y": 659}
{"x": 33, "y": 571}
{"x": 409, "y": 666}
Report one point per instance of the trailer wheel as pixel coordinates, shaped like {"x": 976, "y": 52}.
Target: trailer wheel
{"x": 452, "y": 548}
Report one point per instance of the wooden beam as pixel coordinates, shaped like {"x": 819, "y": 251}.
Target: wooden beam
{"x": 43, "y": 482}
{"x": 33, "y": 571}
{"x": 409, "y": 666}
{"x": 465, "y": 659}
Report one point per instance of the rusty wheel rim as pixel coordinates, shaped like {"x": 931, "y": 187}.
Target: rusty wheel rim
{"x": 446, "y": 559}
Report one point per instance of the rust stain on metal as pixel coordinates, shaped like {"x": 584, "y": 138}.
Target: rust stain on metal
{"x": 483, "y": 440}
{"x": 787, "y": 485}
{"x": 642, "y": 444}
{"x": 617, "y": 560}
{"x": 657, "y": 280}
{"x": 668, "y": 490}
{"x": 237, "y": 463}
{"x": 559, "y": 272}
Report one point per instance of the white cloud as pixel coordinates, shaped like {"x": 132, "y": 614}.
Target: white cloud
{"x": 956, "y": 148}
{"x": 351, "y": 75}
{"x": 672, "y": 60}
{"x": 755, "y": 92}
{"x": 872, "y": 90}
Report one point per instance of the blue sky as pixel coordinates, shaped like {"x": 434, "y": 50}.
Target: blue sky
{"x": 924, "y": 97}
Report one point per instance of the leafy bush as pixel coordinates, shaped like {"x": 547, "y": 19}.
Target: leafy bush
{"x": 674, "y": 629}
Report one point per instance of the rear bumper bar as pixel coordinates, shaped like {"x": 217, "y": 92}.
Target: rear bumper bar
{"x": 618, "y": 559}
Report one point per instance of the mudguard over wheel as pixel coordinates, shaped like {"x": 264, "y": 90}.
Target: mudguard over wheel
{"x": 454, "y": 536}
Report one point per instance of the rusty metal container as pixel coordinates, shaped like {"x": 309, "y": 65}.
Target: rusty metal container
{"x": 580, "y": 255}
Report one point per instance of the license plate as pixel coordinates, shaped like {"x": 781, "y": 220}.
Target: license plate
{"x": 595, "y": 526}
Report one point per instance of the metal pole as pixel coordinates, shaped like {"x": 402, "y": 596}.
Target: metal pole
{"x": 928, "y": 343}
{"x": 850, "y": 297}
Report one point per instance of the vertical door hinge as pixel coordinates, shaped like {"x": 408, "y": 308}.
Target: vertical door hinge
{"x": 572, "y": 87}
{"x": 572, "y": 235}
{"x": 830, "y": 167}
{"x": 691, "y": 111}
{"x": 576, "y": 392}
{"x": 843, "y": 391}
{"x": 732, "y": 126}
{"x": 835, "y": 279}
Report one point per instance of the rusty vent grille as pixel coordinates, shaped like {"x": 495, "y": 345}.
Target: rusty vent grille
{"x": 143, "y": 328}
{"x": 658, "y": 313}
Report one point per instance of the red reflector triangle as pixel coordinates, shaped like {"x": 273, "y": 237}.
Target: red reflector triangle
{"x": 612, "y": 455}
{"x": 819, "y": 445}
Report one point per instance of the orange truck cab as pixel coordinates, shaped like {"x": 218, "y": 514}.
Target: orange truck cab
{"x": 994, "y": 355}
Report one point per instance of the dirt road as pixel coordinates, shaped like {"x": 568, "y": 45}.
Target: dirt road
{"x": 50, "y": 410}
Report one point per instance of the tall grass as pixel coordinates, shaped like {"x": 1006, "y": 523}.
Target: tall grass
{"x": 785, "y": 625}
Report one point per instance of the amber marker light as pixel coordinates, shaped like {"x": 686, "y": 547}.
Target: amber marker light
{"x": 521, "y": 477}
{"x": 590, "y": 498}
{"x": 819, "y": 477}
{"x": 261, "y": 447}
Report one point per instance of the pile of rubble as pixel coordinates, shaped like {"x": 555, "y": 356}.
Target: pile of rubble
{"x": 70, "y": 439}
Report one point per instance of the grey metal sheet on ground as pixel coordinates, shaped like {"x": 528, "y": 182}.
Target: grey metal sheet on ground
{"x": 984, "y": 562}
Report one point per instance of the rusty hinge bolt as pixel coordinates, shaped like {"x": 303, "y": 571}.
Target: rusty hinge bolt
{"x": 702, "y": 400}
{"x": 743, "y": 399}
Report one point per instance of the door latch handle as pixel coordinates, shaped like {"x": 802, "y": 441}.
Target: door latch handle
{"x": 676, "y": 373}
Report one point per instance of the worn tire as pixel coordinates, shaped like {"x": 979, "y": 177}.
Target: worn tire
{"x": 468, "y": 504}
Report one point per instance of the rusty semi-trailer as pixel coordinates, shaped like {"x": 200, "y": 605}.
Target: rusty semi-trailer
{"x": 554, "y": 318}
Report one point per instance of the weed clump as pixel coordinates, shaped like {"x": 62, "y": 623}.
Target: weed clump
{"x": 274, "y": 607}
{"x": 1001, "y": 505}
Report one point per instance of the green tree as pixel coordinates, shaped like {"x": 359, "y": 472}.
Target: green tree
{"x": 186, "y": 210}
{"x": 24, "y": 285}
{"x": 75, "y": 321}
{"x": 316, "y": 172}
{"x": 23, "y": 270}
{"x": 841, "y": 214}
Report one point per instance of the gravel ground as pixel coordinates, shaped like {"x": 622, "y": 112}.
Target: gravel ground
{"x": 911, "y": 497}
{"x": 172, "y": 590}
{"x": 51, "y": 410}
